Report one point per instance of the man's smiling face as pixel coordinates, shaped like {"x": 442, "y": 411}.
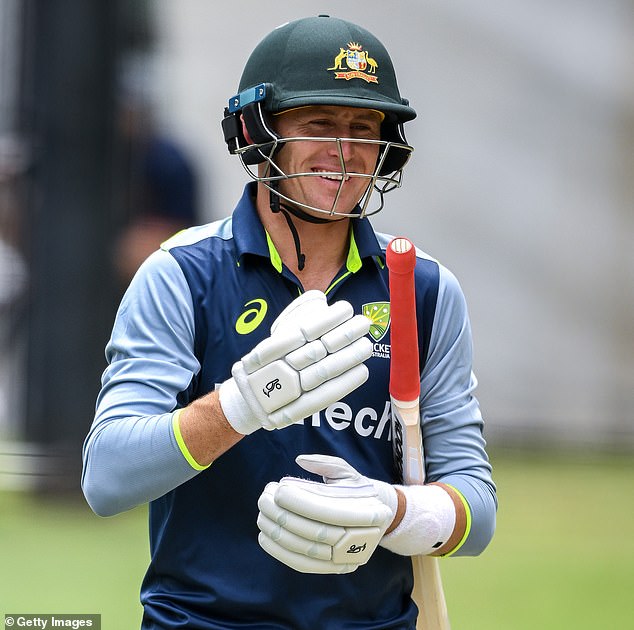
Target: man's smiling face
{"x": 326, "y": 157}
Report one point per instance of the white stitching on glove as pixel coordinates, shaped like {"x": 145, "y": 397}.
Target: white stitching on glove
{"x": 331, "y": 527}
{"x": 314, "y": 357}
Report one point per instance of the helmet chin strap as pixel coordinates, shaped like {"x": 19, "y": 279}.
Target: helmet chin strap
{"x": 277, "y": 206}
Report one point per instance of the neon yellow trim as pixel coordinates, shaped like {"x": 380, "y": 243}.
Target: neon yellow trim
{"x": 467, "y": 530}
{"x": 336, "y": 282}
{"x": 276, "y": 259}
{"x": 353, "y": 262}
{"x": 167, "y": 243}
{"x": 181, "y": 443}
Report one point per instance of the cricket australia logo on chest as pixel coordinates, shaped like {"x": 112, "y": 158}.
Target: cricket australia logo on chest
{"x": 379, "y": 314}
{"x": 355, "y": 63}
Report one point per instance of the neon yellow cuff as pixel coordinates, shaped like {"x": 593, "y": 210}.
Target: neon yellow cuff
{"x": 181, "y": 443}
{"x": 467, "y": 530}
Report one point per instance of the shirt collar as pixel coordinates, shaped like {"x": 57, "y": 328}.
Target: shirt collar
{"x": 251, "y": 237}
{"x": 248, "y": 232}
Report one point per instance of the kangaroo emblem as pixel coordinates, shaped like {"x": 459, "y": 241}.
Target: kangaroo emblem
{"x": 339, "y": 60}
{"x": 355, "y": 63}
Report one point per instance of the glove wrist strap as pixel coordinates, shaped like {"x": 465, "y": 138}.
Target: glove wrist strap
{"x": 236, "y": 408}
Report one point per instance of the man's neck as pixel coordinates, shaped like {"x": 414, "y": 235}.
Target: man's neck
{"x": 324, "y": 245}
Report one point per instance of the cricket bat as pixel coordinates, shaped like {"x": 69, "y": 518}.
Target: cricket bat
{"x": 406, "y": 430}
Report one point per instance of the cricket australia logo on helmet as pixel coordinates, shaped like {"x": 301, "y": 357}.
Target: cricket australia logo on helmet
{"x": 360, "y": 64}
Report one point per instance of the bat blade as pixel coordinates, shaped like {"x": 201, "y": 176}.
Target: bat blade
{"x": 406, "y": 431}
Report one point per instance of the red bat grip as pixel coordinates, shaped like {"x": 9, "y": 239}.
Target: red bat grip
{"x": 404, "y": 365}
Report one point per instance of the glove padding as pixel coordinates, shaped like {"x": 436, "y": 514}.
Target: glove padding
{"x": 314, "y": 357}
{"x": 331, "y": 527}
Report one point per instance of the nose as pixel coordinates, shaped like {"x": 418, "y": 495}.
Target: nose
{"x": 342, "y": 149}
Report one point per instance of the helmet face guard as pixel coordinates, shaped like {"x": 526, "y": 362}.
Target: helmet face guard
{"x": 384, "y": 178}
{"x": 318, "y": 61}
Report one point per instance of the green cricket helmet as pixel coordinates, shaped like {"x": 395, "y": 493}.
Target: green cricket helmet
{"x": 318, "y": 61}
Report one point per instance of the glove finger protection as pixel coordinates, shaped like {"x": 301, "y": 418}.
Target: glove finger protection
{"x": 313, "y": 358}
{"x": 429, "y": 518}
{"x": 331, "y": 527}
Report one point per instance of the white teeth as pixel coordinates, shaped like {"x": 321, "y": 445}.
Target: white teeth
{"x": 336, "y": 178}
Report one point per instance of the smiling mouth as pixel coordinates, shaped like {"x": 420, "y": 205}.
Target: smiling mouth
{"x": 330, "y": 176}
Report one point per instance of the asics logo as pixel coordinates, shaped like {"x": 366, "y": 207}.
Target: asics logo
{"x": 252, "y": 317}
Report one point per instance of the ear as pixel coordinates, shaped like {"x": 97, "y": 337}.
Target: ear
{"x": 245, "y": 132}
{"x": 255, "y": 131}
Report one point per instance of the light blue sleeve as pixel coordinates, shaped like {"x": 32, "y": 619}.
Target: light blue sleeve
{"x": 131, "y": 454}
{"x": 453, "y": 439}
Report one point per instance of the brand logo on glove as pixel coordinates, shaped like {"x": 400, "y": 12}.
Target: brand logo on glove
{"x": 356, "y": 548}
{"x": 270, "y": 386}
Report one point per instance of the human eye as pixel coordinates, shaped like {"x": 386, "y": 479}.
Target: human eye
{"x": 319, "y": 126}
{"x": 367, "y": 130}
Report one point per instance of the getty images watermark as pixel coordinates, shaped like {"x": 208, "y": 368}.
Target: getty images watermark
{"x": 12, "y": 622}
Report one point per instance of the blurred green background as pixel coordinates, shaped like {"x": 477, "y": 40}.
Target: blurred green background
{"x": 562, "y": 556}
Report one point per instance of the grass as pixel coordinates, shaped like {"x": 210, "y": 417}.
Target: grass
{"x": 563, "y": 553}
{"x": 562, "y": 557}
{"x": 58, "y": 557}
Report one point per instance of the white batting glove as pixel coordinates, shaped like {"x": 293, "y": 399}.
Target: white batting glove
{"x": 430, "y": 515}
{"x": 331, "y": 527}
{"x": 314, "y": 357}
